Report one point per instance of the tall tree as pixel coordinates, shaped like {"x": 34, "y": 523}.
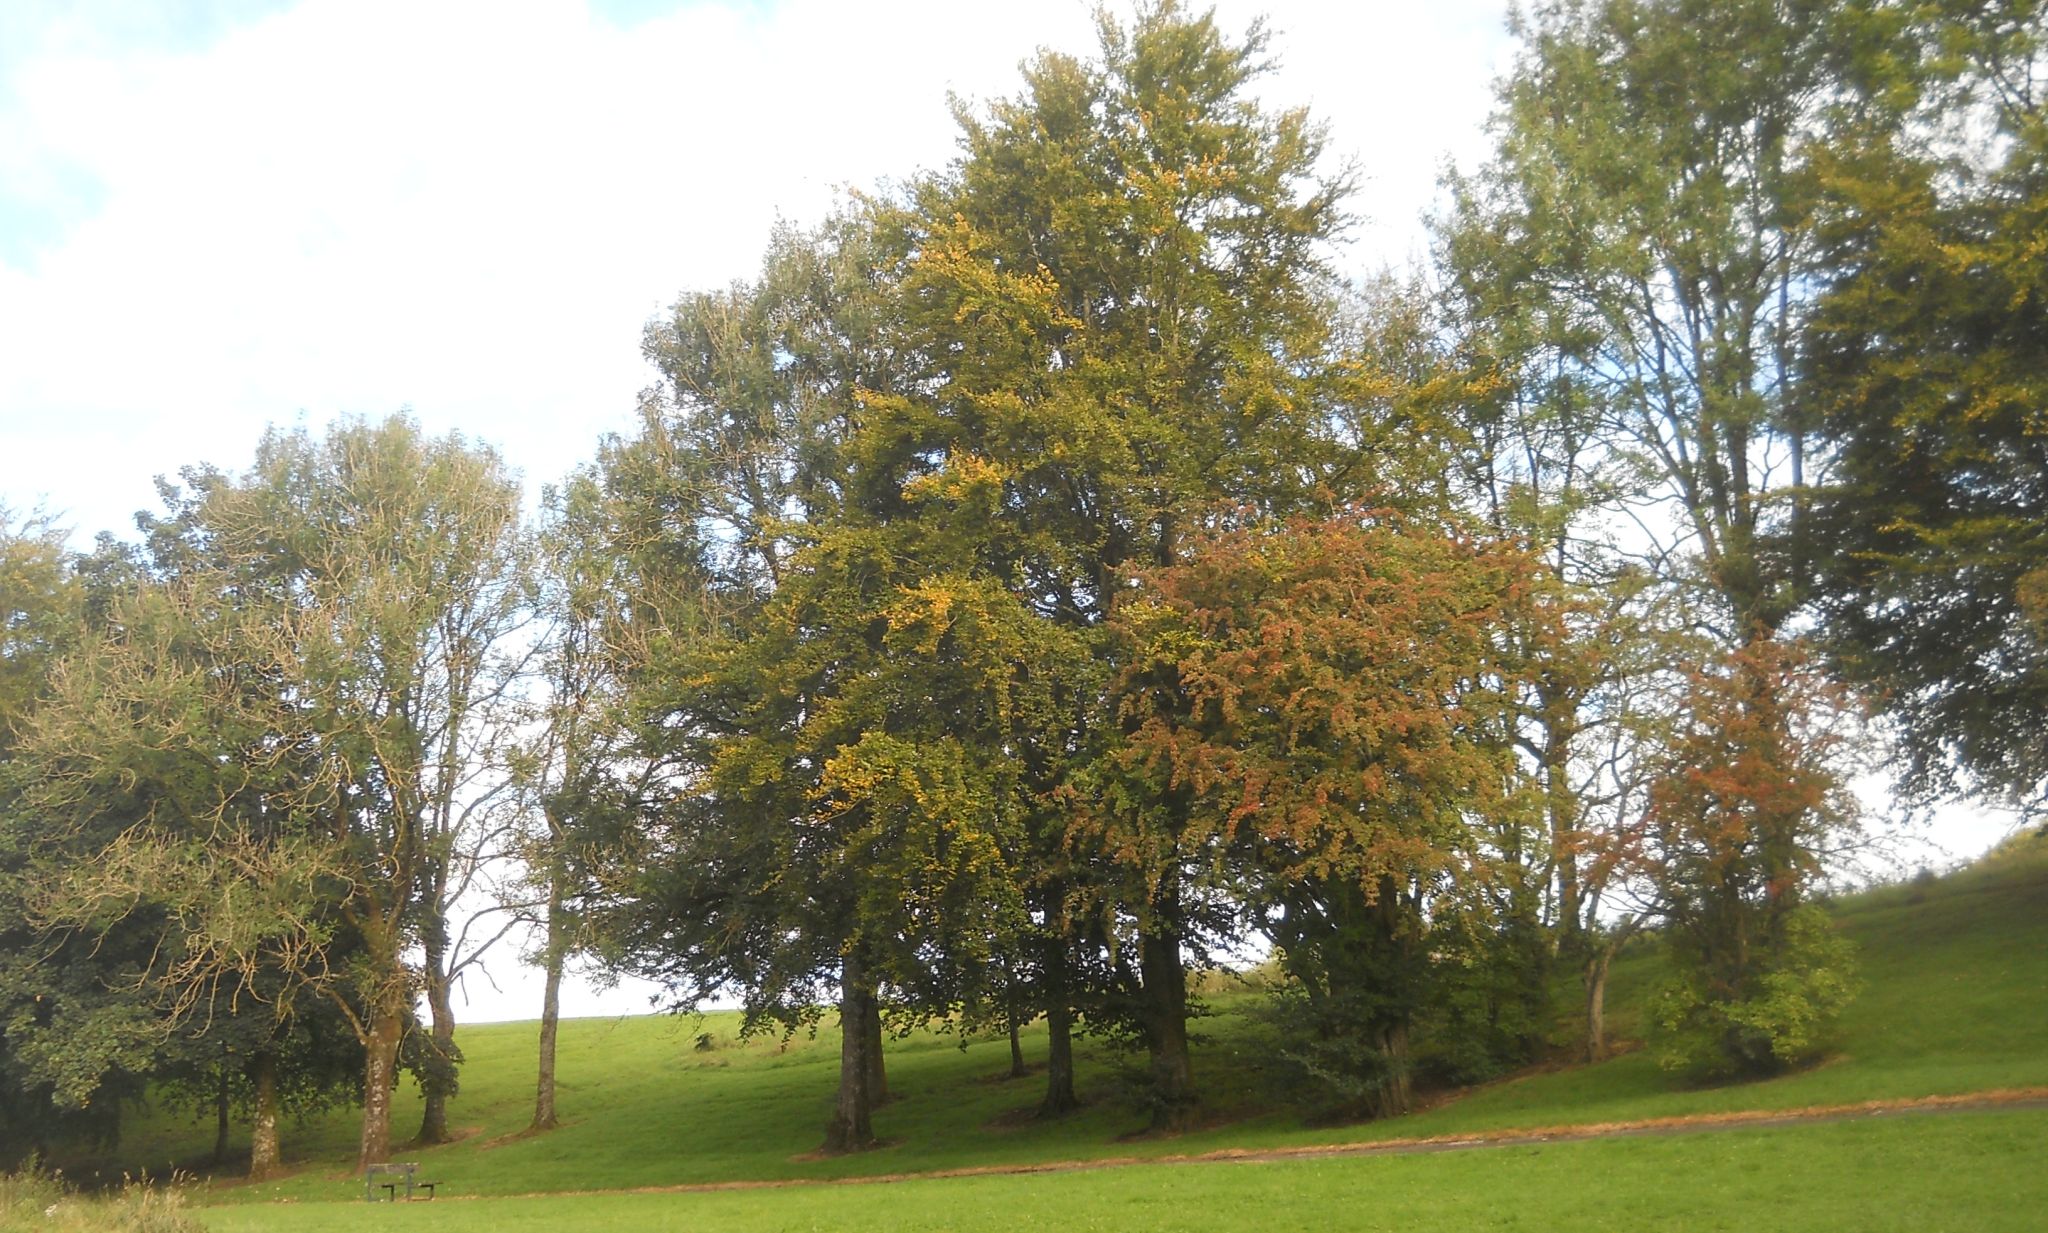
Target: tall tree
{"x": 576, "y": 774}
{"x": 1121, "y": 287}
{"x": 762, "y": 679}
{"x": 1926, "y": 370}
{"x": 1639, "y": 251}
{"x": 1641, "y": 222}
{"x": 370, "y": 571}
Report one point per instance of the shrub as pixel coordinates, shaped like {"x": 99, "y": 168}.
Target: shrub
{"x": 1776, "y": 1019}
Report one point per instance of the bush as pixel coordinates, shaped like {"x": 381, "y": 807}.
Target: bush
{"x": 1332, "y": 1054}
{"x": 1774, "y": 1019}
{"x": 1487, "y": 1009}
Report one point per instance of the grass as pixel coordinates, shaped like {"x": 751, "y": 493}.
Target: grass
{"x": 1910, "y": 1174}
{"x": 35, "y": 1201}
{"x": 1955, "y": 1000}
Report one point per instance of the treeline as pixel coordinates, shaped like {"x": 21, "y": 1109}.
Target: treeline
{"x": 1049, "y": 575}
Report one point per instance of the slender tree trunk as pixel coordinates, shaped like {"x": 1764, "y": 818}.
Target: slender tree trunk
{"x": 1596, "y": 1003}
{"x": 878, "y": 1075}
{"x": 851, "y": 1129}
{"x": 550, "y": 1011}
{"x": 1560, "y": 727}
{"x": 1012, "y": 1020}
{"x": 265, "y": 1158}
{"x": 1598, "y": 964}
{"x": 220, "y": 1112}
{"x": 438, "y": 1083}
{"x": 380, "y": 1074}
{"x": 1166, "y": 1027}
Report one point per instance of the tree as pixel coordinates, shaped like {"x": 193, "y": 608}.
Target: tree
{"x": 777, "y": 693}
{"x": 68, "y": 1048}
{"x": 1747, "y": 804}
{"x": 43, "y": 612}
{"x": 159, "y": 854}
{"x": 1321, "y": 703}
{"x": 1642, "y": 220}
{"x": 574, "y": 769}
{"x": 369, "y": 574}
{"x": 1926, "y": 366}
{"x": 1638, "y": 260}
{"x": 1122, "y": 293}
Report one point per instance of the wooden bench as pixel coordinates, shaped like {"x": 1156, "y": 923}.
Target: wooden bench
{"x": 406, "y": 1174}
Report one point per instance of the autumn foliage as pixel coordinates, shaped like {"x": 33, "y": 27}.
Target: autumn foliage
{"x": 1745, "y": 807}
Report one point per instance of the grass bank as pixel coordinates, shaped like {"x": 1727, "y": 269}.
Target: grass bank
{"x": 1954, "y": 1000}
{"x": 1913, "y": 1175}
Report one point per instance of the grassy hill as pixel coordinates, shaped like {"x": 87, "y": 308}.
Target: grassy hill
{"x": 1954, "y": 1000}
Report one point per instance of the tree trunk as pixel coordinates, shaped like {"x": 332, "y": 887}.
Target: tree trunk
{"x": 437, "y": 1082}
{"x": 380, "y": 1075}
{"x": 851, "y": 1129}
{"x": 1598, "y": 963}
{"x": 1560, "y": 726}
{"x": 1012, "y": 1017}
{"x": 264, "y": 1157}
{"x": 1166, "y": 1027}
{"x": 550, "y": 1012}
{"x": 1596, "y": 1004}
{"x": 878, "y": 1075}
{"x": 1059, "y": 1061}
{"x": 220, "y": 1113}
{"x": 1059, "y": 1015}
{"x": 1395, "y": 1094}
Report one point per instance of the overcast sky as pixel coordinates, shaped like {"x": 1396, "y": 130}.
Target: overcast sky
{"x": 220, "y": 214}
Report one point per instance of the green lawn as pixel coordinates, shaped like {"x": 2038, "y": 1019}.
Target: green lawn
{"x": 1917, "y": 1174}
{"x": 1955, "y": 1000}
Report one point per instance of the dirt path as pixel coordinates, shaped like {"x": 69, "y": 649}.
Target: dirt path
{"x": 2007, "y": 1098}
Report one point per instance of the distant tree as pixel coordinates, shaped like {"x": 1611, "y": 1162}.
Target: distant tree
{"x": 42, "y": 611}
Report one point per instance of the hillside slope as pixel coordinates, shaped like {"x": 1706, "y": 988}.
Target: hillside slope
{"x": 1955, "y": 1000}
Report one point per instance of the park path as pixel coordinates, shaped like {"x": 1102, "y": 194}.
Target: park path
{"x": 1704, "y": 1123}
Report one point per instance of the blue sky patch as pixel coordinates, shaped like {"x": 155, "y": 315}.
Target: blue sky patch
{"x": 625, "y": 14}
{"x": 36, "y": 218}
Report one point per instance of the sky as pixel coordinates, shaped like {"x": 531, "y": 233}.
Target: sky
{"x": 217, "y": 215}
{"x": 220, "y": 215}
